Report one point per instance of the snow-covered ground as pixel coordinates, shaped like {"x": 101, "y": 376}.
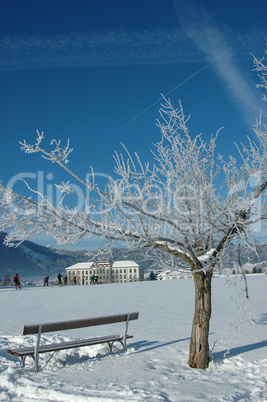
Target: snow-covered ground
{"x": 155, "y": 365}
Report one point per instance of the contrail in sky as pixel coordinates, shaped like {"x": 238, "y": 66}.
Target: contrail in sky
{"x": 201, "y": 28}
{"x": 209, "y": 40}
{"x": 173, "y": 89}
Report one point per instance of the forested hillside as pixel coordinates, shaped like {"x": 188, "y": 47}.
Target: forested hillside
{"x": 35, "y": 260}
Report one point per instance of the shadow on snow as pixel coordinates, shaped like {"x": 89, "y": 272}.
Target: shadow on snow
{"x": 145, "y": 346}
{"x": 217, "y": 356}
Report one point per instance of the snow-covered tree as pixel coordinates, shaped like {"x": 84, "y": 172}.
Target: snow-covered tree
{"x": 190, "y": 204}
{"x": 261, "y": 69}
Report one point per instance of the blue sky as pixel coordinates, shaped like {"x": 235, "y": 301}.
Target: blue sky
{"x": 94, "y": 72}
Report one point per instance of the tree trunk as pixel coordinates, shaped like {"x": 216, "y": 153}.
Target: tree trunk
{"x": 199, "y": 345}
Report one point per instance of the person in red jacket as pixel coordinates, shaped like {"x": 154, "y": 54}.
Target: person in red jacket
{"x": 16, "y": 281}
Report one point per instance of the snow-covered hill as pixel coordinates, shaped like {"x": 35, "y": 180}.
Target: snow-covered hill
{"x": 155, "y": 366}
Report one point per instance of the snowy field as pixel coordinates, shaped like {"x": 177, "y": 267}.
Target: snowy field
{"x": 155, "y": 366}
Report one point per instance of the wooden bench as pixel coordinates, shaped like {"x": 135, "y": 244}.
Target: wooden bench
{"x": 38, "y": 329}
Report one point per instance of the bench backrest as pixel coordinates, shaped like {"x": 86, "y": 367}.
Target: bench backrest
{"x": 81, "y": 323}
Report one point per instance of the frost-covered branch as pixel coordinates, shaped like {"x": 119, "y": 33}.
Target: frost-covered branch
{"x": 261, "y": 68}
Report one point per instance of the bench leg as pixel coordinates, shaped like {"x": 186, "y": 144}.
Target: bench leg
{"x": 36, "y": 363}
{"x": 125, "y": 333}
{"x": 110, "y": 344}
{"x": 36, "y": 351}
{"x": 23, "y": 358}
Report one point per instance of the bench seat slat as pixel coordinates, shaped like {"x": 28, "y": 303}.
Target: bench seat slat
{"x": 82, "y": 323}
{"x": 66, "y": 345}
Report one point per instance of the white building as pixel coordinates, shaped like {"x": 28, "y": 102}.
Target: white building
{"x": 107, "y": 272}
{"x": 172, "y": 275}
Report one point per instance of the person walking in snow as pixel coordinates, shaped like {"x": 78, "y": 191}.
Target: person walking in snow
{"x": 16, "y": 281}
{"x": 65, "y": 279}
{"x": 92, "y": 279}
{"x": 59, "y": 279}
{"x": 74, "y": 280}
{"x": 46, "y": 280}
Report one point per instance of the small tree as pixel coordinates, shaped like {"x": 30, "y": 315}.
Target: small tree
{"x": 7, "y": 280}
{"x": 176, "y": 206}
{"x": 254, "y": 270}
{"x": 152, "y": 276}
